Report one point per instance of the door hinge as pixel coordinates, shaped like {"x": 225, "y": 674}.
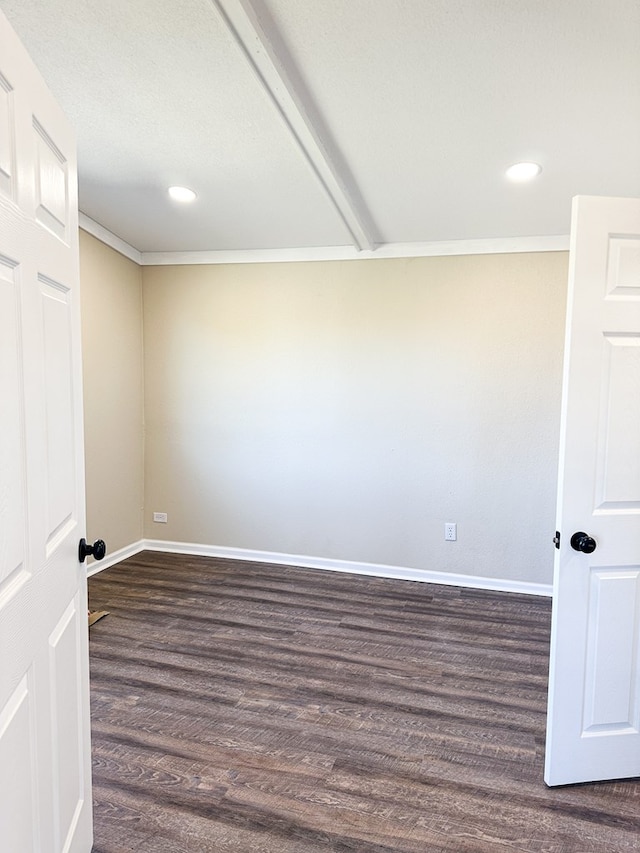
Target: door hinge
{"x": 556, "y": 539}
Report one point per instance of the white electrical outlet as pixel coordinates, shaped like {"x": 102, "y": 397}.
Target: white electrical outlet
{"x": 160, "y": 516}
{"x": 450, "y": 531}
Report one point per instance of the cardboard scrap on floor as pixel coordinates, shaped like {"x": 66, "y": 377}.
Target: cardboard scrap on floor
{"x": 97, "y": 614}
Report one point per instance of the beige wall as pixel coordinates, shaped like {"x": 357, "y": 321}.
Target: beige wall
{"x": 346, "y": 410}
{"x": 111, "y": 299}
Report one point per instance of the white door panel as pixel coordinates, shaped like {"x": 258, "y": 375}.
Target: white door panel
{"x": 44, "y": 711}
{"x": 12, "y": 456}
{"x": 7, "y": 137}
{"x": 51, "y": 183}
{"x": 60, "y": 471}
{"x": 610, "y": 672}
{"x": 65, "y": 668}
{"x": 18, "y": 786}
{"x": 594, "y": 684}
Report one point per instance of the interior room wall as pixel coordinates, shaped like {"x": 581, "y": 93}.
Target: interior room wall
{"x": 111, "y": 304}
{"x": 347, "y": 410}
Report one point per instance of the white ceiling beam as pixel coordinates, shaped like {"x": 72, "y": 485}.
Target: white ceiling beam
{"x": 274, "y": 69}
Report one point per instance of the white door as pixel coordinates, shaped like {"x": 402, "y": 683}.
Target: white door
{"x": 45, "y": 784}
{"x": 593, "y": 727}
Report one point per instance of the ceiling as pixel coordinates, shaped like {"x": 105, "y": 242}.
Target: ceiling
{"x": 340, "y": 123}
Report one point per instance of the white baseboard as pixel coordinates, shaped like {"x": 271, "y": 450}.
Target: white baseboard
{"x": 369, "y": 569}
{"x": 304, "y": 562}
{"x": 116, "y": 557}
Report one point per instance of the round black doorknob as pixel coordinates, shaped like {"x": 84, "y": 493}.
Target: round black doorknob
{"x": 97, "y": 550}
{"x": 582, "y": 542}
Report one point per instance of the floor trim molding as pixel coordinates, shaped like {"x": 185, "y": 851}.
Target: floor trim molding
{"x": 116, "y": 557}
{"x": 369, "y": 569}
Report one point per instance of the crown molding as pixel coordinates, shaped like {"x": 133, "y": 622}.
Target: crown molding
{"x": 108, "y": 237}
{"x": 489, "y": 246}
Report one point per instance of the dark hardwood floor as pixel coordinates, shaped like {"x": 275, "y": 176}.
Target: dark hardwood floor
{"x": 240, "y": 707}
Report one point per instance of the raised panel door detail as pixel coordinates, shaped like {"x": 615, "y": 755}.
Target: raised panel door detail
{"x": 618, "y": 460}
{"x": 18, "y": 819}
{"x": 52, "y": 196}
{"x": 61, "y": 473}
{"x": 593, "y": 720}
{"x": 612, "y": 700}
{"x": 12, "y": 459}
{"x": 44, "y": 808}
{"x": 7, "y": 146}
{"x": 622, "y": 267}
{"x": 66, "y": 723}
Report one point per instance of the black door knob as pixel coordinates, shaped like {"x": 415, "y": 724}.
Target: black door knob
{"x": 97, "y": 550}
{"x": 582, "y": 542}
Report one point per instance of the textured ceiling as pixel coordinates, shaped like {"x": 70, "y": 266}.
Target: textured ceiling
{"x": 340, "y": 122}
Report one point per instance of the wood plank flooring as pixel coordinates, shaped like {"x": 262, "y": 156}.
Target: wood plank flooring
{"x": 241, "y": 708}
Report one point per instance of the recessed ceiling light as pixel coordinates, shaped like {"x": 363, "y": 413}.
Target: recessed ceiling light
{"x": 181, "y": 194}
{"x": 523, "y": 171}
